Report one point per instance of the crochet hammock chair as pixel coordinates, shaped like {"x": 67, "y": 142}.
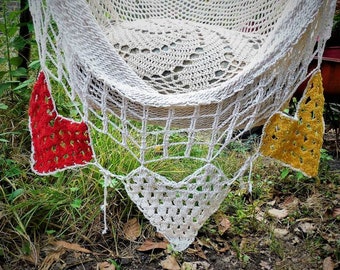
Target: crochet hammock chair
{"x": 176, "y": 82}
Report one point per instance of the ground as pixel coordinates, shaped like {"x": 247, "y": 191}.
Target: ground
{"x": 288, "y": 222}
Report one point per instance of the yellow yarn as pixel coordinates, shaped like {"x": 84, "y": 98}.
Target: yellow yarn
{"x": 297, "y": 141}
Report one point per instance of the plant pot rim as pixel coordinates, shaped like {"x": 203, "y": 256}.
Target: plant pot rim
{"x": 332, "y": 58}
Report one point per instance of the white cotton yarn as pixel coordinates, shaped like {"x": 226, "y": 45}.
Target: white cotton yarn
{"x": 208, "y": 70}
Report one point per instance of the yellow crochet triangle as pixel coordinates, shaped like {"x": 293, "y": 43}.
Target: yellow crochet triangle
{"x": 297, "y": 141}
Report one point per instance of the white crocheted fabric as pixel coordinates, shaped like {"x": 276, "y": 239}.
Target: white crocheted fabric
{"x": 176, "y": 82}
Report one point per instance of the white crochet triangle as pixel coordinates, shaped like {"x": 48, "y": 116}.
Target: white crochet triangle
{"x": 178, "y": 210}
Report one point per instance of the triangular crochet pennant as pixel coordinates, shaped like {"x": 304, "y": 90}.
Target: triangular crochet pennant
{"x": 297, "y": 141}
{"x": 178, "y": 210}
{"x": 57, "y": 142}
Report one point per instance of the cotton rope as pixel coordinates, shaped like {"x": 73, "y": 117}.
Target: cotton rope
{"x": 176, "y": 82}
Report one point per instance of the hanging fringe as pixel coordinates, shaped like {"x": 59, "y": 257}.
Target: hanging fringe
{"x": 250, "y": 183}
{"x": 103, "y": 207}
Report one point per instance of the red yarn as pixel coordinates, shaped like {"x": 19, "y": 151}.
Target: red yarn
{"x": 57, "y": 142}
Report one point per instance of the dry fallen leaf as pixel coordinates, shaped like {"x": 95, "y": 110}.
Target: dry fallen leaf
{"x": 195, "y": 266}
{"x": 223, "y": 249}
{"x": 336, "y": 212}
{"x": 260, "y": 216}
{"x": 51, "y": 258}
{"x": 314, "y": 201}
{"x": 197, "y": 251}
{"x": 280, "y": 233}
{"x": 170, "y": 263}
{"x": 271, "y": 203}
{"x": 244, "y": 243}
{"x": 328, "y": 264}
{"x": 132, "y": 229}
{"x": 204, "y": 242}
{"x": 307, "y": 227}
{"x": 57, "y": 249}
{"x": 149, "y": 245}
{"x": 201, "y": 254}
{"x": 160, "y": 236}
{"x": 105, "y": 266}
{"x": 222, "y": 222}
{"x": 331, "y": 237}
{"x": 265, "y": 265}
{"x": 277, "y": 213}
{"x": 224, "y": 225}
{"x": 291, "y": 203}
{"x": 70, "y": 246}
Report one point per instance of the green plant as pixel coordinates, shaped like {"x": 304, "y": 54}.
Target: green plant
{"x": 116, "y": 266}
{"x": 276, "y": 246}
{"x": 13, "y": 63}
{"x": 240, "y": 253}
{"x": 325, "y": 156}
{"x": 14, "y": 81}
{"x": 14, "y": 143}
{"x": 287, "y": 171}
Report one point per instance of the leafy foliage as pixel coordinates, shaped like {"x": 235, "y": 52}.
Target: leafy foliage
{"x": 11, "y": 62}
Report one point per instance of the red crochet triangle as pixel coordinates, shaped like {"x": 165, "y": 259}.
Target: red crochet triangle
{"x": 57, "y": 142}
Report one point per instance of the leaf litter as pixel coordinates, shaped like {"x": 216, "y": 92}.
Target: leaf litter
{"x": 276, "y": 240}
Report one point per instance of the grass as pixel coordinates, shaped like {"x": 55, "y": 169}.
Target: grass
{"x": 67, "y": 205}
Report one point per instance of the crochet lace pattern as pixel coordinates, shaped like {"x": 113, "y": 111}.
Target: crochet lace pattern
{"x": 173, "y": 82}
{"x": 296, "y": 141}
{"x": 57, "y": 142}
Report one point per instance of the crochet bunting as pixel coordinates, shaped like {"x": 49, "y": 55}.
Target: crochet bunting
{"x": 57, "y": 142}
{"x": 297, "y": 141}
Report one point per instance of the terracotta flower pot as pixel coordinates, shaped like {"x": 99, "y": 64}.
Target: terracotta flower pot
{"x": 330, "y": 70}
